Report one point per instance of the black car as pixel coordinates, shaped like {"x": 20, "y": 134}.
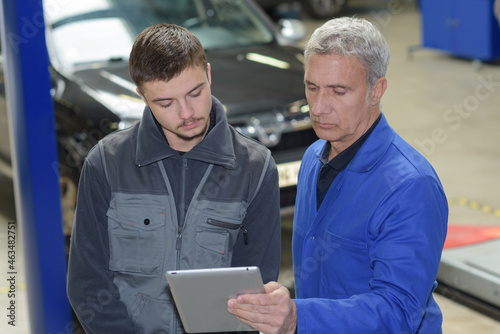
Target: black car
{"x": 317, "y": 9}
{"x": 256, "y": 74}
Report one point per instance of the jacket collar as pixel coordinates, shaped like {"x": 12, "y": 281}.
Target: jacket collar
{"x": 372, "y": 149}
{"x": 216, "y": 148}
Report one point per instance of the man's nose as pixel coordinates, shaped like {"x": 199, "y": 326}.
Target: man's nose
{"x": 185, "y": 111}
{"x": 320, "y": 104}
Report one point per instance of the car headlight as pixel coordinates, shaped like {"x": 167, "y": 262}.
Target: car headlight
{"x": 128, "y": 108}
{"x": 125, "y": 123}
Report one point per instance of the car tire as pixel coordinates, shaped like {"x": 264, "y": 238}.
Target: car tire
{"x": 69, "y": 191}
{"x": 69, "y": 168}
{"x": 323, "y": 9}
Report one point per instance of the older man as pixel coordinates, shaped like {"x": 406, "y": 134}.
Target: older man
{"x": 370, "y": 216}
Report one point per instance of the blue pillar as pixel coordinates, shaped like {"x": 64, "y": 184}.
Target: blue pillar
{"x": 33, "y": 151}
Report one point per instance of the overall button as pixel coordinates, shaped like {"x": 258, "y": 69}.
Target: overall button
{"x": 146, "y": 221}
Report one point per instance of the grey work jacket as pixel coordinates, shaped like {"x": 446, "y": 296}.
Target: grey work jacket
{"x": 144, "y": 209}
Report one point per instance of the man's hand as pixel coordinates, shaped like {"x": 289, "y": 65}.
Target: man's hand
{"x": 271, "y": 313}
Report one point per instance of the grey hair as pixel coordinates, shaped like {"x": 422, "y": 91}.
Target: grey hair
{"x": 353, "y": 37}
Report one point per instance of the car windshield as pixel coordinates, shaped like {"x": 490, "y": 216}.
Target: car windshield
{"x": 85, "y": 32}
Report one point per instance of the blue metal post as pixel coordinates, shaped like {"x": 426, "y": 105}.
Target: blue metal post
{"x": 33, "y": 151}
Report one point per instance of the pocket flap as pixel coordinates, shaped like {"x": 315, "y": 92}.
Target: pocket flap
{"x": 136, "y": 217}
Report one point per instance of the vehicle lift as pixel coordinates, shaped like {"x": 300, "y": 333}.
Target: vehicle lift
{"x": 469, "y": 272}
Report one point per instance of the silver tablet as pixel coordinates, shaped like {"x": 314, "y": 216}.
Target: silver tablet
{"x": 201, "y": 296}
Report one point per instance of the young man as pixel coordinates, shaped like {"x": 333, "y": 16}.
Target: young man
{"x": 180, "y": 189}
{"x": 370, "y": 216}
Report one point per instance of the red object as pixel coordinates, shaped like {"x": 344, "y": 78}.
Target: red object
{"x": 462, "y": 235}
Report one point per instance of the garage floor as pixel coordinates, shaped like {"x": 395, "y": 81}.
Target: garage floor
{"x": 423, "y": 91}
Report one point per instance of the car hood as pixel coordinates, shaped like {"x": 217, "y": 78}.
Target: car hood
{"x": 246, "y": 80}
{"x": 257, "y": 79}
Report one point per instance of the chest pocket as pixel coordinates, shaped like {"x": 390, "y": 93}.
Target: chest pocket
{"x": 136, "y": 238}
{"x": 215, "y": 241}
{"x": 344, "y": 260}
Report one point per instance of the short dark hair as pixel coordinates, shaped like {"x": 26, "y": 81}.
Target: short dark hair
{"x": 163, "y": 51}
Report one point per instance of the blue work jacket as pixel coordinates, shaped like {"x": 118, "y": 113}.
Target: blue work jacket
{"x": 367, "y": 260}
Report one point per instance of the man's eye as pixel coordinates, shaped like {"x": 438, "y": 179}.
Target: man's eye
{"x": 340, "y": 92}
{"x": 165, "y": 106}
{"x": 312, "y": 88}
{"x": 195, "y": 94}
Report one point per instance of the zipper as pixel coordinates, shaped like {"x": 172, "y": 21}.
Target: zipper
{"x": 218, "y": 223}
{"x": 180, "y": 226}
{"x": 179, "y": 238}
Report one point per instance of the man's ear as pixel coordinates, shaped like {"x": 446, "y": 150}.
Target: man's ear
{"x": 378, "y": 90}
{"x": 209, "y": 75}
{"x": 140, "y": 94}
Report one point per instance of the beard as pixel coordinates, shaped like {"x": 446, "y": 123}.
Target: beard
{"x": 197, "y": 135}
